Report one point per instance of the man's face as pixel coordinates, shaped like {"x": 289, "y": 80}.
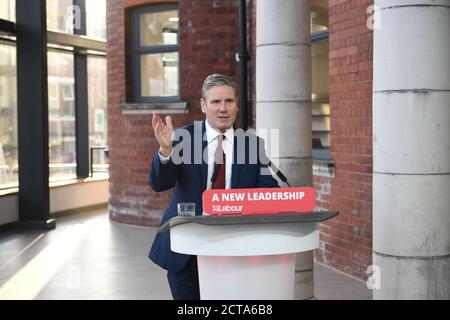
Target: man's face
{"x": 220, "y": 107}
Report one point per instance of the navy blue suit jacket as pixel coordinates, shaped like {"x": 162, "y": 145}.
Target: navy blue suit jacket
{"x": 189, "y": 181}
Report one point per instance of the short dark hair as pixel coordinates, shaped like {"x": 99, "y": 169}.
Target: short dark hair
{"x": 217, "y": 79}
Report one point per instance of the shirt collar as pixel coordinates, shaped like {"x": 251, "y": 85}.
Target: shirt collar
{"x": 211, "y": 133}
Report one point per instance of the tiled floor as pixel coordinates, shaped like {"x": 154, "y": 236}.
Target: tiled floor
{"x": 89, "y": 257}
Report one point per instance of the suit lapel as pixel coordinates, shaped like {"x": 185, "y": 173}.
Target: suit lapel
{"x": 204, "y": 164}
{"x": 235, "y": 168}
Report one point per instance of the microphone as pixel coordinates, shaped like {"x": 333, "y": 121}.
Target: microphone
{"x": 278, "y": 173}
{"x": 274, "y": 168}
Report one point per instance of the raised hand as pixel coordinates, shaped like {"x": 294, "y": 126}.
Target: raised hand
{"x": 164, "y": 134}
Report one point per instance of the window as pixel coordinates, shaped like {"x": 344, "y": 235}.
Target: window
{"x": 320, "y": 79}
{"x": 8, "y": 117}
{"x": 155, "y": 54}
{"x": 320, "y": 96}
{"x": 8, "y": 10}
{"x": 319, "y": 19}
{"x": 77, "y": 104}
{"x": 62, "y": 147}
{"x": 96, "y": 19}
{"x": 62, "y": 16}
{"x": 98, "y": 131}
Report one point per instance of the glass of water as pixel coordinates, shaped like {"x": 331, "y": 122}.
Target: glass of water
{"x": 186, "y": 209}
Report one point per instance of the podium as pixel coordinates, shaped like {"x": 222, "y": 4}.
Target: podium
{"x": 246, "y": 257}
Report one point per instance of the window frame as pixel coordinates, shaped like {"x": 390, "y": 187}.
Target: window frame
{"x": 138, "y": 51}
{"x": 7, "y": 27}
{"x": 8, "y": 37}
{"x": 10, "y": 43}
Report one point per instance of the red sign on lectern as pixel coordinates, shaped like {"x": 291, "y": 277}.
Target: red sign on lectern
{"x": 259, "y": 201}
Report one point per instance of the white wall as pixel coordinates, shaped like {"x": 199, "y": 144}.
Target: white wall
{"x": 78, "y": 195}
{"x": 9, "y": 209}
{"x": 61, "y": 199}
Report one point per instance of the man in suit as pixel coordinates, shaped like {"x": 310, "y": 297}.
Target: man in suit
{"x": 189, "y": 162}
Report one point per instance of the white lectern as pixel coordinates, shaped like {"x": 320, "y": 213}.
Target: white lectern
{"x": 246, "y": 257}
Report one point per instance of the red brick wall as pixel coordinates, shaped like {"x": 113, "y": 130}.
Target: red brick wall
{"x": 208, "y": 42}
{"x": 346, "y": 241}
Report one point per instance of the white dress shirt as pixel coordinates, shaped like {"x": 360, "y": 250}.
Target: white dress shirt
{"x": 227, "y": 145}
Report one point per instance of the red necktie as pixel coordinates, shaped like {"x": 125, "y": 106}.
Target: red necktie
{"x": 220, "y": 159}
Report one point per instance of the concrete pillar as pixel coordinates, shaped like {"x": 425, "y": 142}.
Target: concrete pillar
{"x": 411, "y": 149}
{"x": 283, "y": 94}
